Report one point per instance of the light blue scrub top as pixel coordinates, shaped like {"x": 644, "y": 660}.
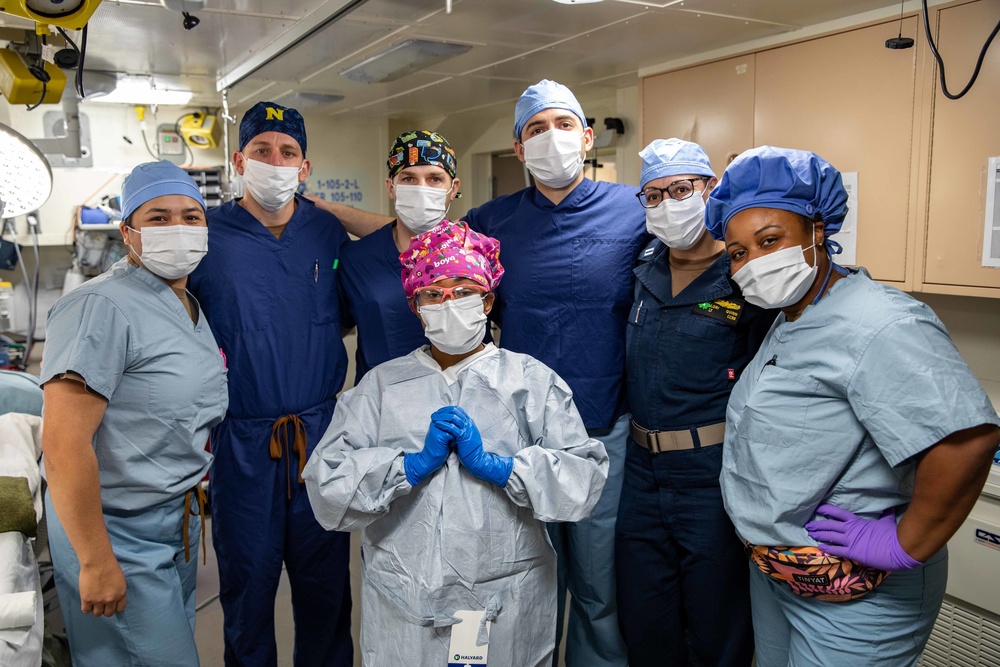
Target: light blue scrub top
{"x": 834, "y": 407}
{"x": 130, "y": 338}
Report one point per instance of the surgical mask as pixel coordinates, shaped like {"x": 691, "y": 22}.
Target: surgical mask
{"x": 420, "y": 207}
{"x": 455, "y": 326}
{"x": 174, "y": 251}
{"x": 679, "y": 224}
{"x": 271, "y": 187}
{"x": 778, "y": 279}
{"x": 554, "y": 158}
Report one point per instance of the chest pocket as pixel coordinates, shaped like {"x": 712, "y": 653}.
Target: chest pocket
{"x": 322, "y": 286}
{"x": 602, "y": 269}
{"x": 778, "y": 408}
{"x": 700, "y": 355}
{"x": 238, "y": 303}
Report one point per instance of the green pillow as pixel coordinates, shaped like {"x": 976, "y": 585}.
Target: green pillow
{"x": 17, "y": 511}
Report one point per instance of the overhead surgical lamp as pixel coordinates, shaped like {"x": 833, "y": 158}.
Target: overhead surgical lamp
{"x": 67, "y": 14}
{"x": 25, "y": 175}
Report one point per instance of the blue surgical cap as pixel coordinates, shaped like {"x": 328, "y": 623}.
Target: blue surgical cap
{"x": 156, "y": 179}
{"x": 670, "y": 157}
{"x": 544, "y": 95}
{"x": 271, "y": 117}
{"x": 782, "y": 178}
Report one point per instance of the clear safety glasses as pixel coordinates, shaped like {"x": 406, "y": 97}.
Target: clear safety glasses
{"x": 429, "y": 296}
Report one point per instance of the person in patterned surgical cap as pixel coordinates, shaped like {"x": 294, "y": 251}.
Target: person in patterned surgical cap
{"x": 422, "y": 181}
{"x": 449, "y": 460}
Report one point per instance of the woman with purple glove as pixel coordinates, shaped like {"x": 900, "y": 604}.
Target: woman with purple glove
{"x": 857, "y": 440}
{"x": 449, "y": 460}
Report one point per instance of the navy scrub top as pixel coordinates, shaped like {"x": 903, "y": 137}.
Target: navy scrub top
{"x": 567, "y": 285}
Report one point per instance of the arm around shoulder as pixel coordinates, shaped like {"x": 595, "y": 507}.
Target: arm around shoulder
{"x": 357, "y": 222}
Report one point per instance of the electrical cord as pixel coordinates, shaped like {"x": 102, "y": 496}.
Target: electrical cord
{"x": 37, "y": 69}
{"x": 940, "y": 62}
{"x": 78, "y": 79}
{"x": 41, "y": 98}
{"x": 29, "y": 339}
{"x": 145, "y": 142}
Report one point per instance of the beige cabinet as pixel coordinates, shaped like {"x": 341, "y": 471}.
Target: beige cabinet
{"x": 849, "y": 99}
{"x": 710, "y": 104}
{"x": 921, "y": 158}
{"x": 966, "y": 133}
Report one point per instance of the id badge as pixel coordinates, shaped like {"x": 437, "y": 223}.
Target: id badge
{"x": 463, "y": 651}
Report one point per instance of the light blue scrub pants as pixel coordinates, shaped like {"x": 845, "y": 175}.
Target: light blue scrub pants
{"x": 889, "y": 626}
{"x": 586, "y": 559}
{"x": 157, "y": 626}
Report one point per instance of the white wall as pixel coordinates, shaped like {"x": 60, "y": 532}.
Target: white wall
{"x": 974, "y": 325}
{"x": 113, "y": 156}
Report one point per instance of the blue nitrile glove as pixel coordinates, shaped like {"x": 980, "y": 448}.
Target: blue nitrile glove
{"x": 485, "y": 465}
{"x": 871, "y": 542}
{"x": 420, "y": 465}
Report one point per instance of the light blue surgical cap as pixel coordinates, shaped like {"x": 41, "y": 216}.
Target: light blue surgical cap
{"x": 782, "y": 178}
{"x": 544, "y": 95}
{"x": 670, "y": 157}
{"x": 156, "y": 179}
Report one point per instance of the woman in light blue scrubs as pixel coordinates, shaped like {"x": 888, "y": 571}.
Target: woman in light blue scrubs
{"x": 857, "y": 440}
{"x": 133, "y": 381}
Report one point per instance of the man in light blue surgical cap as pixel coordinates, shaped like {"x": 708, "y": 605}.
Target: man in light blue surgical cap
{"x": 683, "y": 591}
{"x": 857, "y": 440}
{"x": 583, "y": 236}
{"x": 133, "y": 381}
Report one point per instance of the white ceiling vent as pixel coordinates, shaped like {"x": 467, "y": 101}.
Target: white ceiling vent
{"x": 402, "y": 59}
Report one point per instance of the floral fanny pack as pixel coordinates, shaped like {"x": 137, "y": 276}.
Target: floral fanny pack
{"x": 809, "y": 572}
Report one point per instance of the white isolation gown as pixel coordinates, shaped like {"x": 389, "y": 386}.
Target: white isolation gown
{"x": 455, "y": 542}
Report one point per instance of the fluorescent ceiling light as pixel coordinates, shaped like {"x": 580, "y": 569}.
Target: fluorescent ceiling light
{"x": 403, "y": 59}
{"x": 140, "y": 90}
{"x": 577, "y": 2}
{"x": 25, "y": 176}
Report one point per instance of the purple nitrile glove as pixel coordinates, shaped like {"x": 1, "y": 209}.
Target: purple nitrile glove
{"x": 871, "y": 542}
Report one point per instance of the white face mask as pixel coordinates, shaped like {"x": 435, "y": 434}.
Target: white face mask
{"x": 420, "y": 207}
{"x": 554, "y": 158}
{"x": 778, "y": 279}
{"x": 679, "y": 224}
{"x": 174, "y": 251}
{"x": 455, "y": 326}
{"x": 271, "y": 187}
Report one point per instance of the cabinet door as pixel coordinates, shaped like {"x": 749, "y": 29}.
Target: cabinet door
{"x": 851, "y": 100}
{"x": 966, "y": 134}
{"x": 711, "y": 105}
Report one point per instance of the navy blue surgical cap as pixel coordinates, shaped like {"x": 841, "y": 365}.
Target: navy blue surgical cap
{"x": 271, "y": 117}
{"x": 156, "y": 179}
{"x": 781, "y": 178}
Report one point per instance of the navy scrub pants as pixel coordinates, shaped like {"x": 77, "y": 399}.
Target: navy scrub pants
{"x": 683, "y": 589}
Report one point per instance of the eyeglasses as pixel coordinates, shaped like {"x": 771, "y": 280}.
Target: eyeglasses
{"x": 680, "y": 190}
{"x": 429, "y": 296}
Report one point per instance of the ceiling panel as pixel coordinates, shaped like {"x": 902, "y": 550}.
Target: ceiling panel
{"x": 792, "y": 12}
{"x": 330, "y": 44}
{"x": 592, "y": 47}
{"x": 120, "y": 38}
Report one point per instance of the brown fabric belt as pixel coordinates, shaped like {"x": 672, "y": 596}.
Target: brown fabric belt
{"x": 672, "y": 441}
{"x": 280, "y": 443}
{"x": 202, "y": 500}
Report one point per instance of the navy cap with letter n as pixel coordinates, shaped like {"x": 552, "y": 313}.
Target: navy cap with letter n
{"x": 271, "y": 117}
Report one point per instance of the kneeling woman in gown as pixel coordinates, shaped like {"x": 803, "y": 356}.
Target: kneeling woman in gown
{"x": 449, "y": 459}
